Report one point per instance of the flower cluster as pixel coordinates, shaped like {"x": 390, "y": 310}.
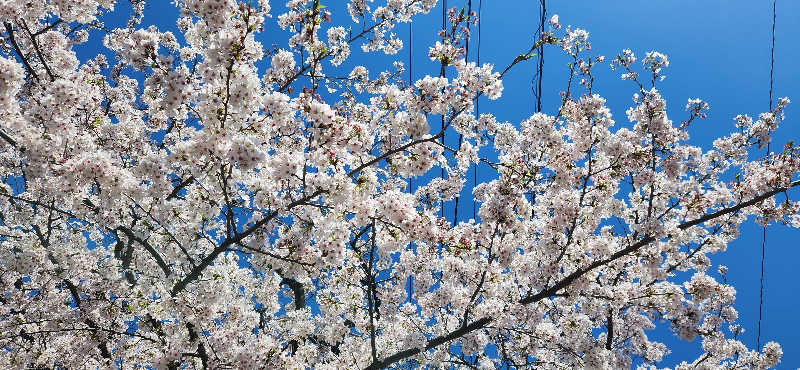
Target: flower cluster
{"x": 11, "y": 78}
{"x": 229, "y": 212}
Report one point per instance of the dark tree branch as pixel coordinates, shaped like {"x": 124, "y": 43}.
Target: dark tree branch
{"x": 478, "y": 324}
{"x": 298, "y": 290}
{"x": 10, "y": 31}
{"x": 197, "y": 270}
{"x": 299, "y": 303}
{"x": 563, "y": 283}
{"x": 49, "y": 27}
{"x": 38, "y": 51}
{"x": 372, "y": 297}
{"x": 181, "y": 185}
{"x": 201, "y": 348}
{"x": 73, "y": 291}
{"x": 8, "y": 139}
{"x": 160, "y": 261}
{"x": 610, "y": 326}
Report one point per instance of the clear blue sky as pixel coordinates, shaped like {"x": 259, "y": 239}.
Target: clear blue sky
{"x": 719, "y": 51}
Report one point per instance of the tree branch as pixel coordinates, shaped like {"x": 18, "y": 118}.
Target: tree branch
{"x": 563, "y": 283}
{"x": 181, "y": 185}
{"x": 38, "y": 51}
{"x": 201, "y": 349}
{"x": 160, "y": 261}
{"x": 14, "y": 43}
{"x": 197, "y": 270}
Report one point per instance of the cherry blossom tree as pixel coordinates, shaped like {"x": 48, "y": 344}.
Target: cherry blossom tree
{"x": 172, "y": 206}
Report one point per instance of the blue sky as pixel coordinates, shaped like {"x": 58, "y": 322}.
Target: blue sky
{"x": 719, "y": 51}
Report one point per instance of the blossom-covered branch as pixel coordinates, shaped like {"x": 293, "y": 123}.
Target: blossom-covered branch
{"x": 244, "y": 195}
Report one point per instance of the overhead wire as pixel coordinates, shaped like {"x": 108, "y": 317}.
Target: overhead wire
{"x": 477, "y": 109}
{"x": 410, "y": 283}
{"x": 537, "y": 78}
{"x": 442, "y": 74}
{"x": 461, "y": 136}
{"x": 764, "y": 229}
{"x": 410, "y": 78}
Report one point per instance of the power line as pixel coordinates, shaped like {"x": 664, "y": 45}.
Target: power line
{"x": 477, "y": 109}
{"x": 764, "y": 230}
{"x": 461, "y": 136}
{"x": 537, "y": 78}
{"x": 772, "y": 56}
{"x": 410, "y": 81}
{"x": 442, "y": 74}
